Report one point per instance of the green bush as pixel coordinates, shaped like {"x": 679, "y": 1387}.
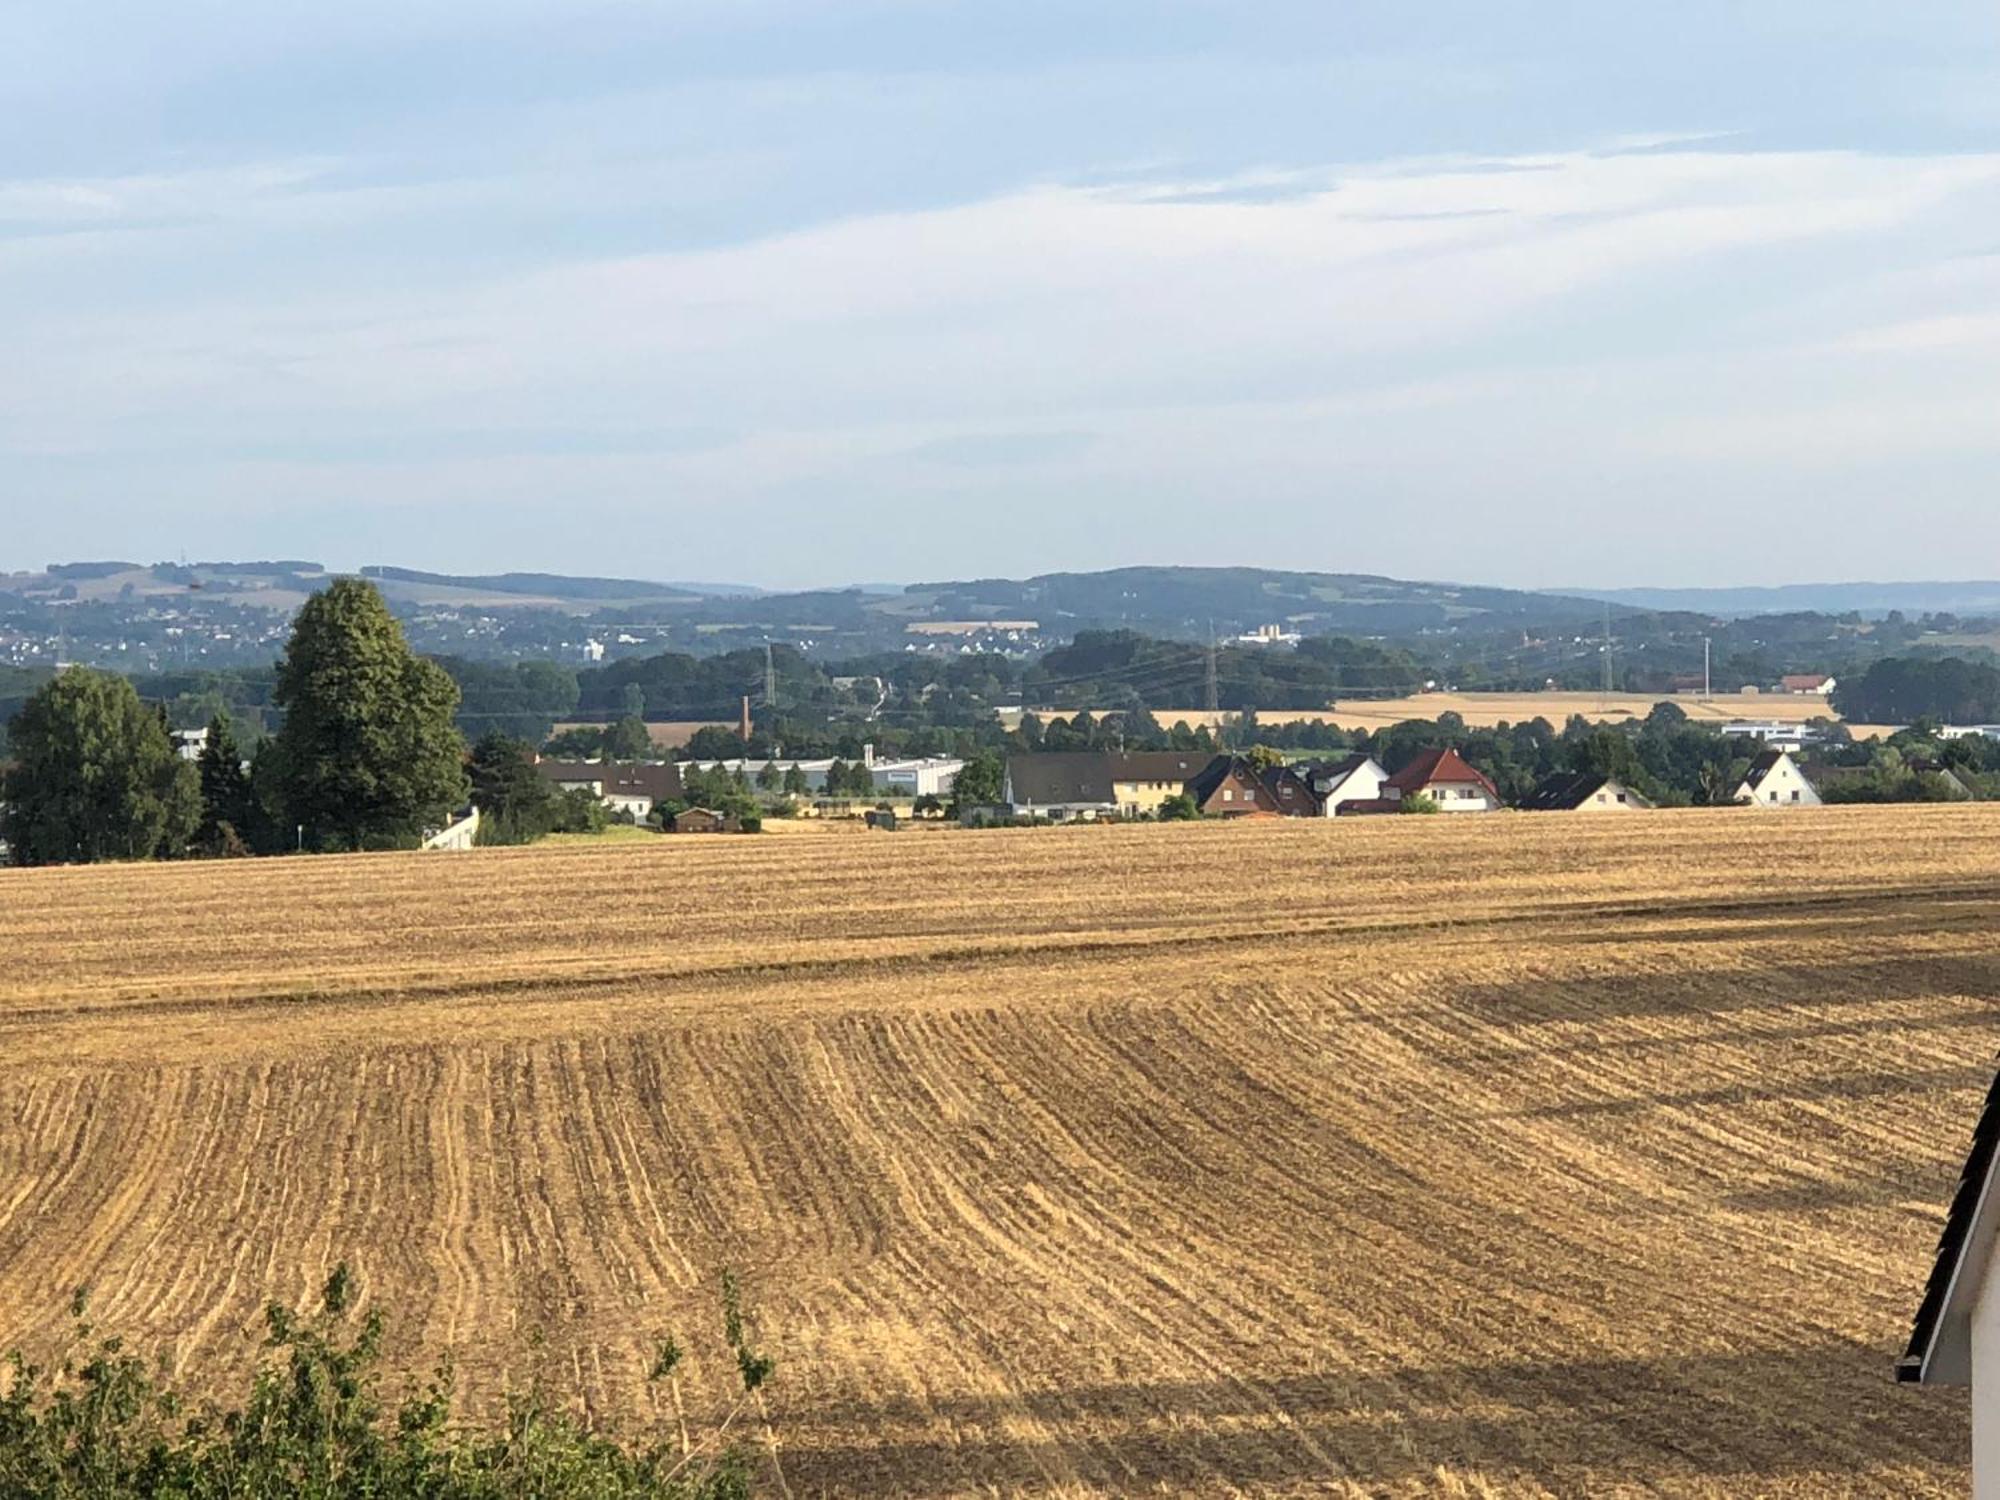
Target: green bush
{"x": 104, "y": 1427}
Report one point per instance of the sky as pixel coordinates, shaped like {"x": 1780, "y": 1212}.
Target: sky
{"x": 800, "y": 294}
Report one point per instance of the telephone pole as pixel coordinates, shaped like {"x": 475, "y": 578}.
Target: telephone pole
{"x": 1707, "y": 686}
{"x": 770, "y": 680}
{"x": 1212, "y": 703}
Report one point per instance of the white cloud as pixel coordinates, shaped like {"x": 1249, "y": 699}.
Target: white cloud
{"x": 1543, "y": 324}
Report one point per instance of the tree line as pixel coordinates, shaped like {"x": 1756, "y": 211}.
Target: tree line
{"x": 367, "y": 755}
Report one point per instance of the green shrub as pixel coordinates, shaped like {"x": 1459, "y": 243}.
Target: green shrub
{"x": 104, "y": 1427}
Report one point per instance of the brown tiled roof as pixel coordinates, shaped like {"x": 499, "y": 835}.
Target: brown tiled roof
{"x": 1434, "y": 767}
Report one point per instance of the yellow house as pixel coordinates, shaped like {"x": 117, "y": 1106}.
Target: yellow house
{"x": 1142, "y": 779}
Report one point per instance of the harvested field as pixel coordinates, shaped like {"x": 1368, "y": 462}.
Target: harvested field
{"x": 1509, "y": 1155}
{"x": 1484, "y": 710}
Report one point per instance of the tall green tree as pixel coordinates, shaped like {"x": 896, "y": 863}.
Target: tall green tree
{"x": 368, "y": 757}
{"x": 516, "y": 803}
{"x": 628, "y": 740}
{"x": 228, "y": 807}
{"x": 980, "y": 781}
{"x": 95, "y": 777}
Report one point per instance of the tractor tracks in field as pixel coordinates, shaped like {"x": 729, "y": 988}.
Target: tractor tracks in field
{"x": 41, "y": 1027}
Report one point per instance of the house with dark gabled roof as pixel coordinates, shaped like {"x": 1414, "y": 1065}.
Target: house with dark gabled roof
{"x": 1229, "y": 787}
{"x": 1060, "y": 785}
{"x": 1358, "y": 778}
{"x": 1583, "y": 791}
{"x": 1775, "y": 780}
{"x": 1448, "y": 780}
{"x": 1292, "y": 792}
{"x": 623, "y": 786}
{"x": 1955, "y": 1337}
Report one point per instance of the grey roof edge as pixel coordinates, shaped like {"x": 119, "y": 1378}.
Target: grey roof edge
{"x": 1938, "y": 1333}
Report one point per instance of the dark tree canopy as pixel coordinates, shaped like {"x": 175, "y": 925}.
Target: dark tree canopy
{"x": 95, "y": 777}
{"x": 228, "y": 807}
{"x": 517, "y": 804}
{"x": 368, "y": 757}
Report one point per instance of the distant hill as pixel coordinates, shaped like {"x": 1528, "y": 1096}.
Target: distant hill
{"x": 1974, "y": 598}
{"x": 1192, "y": 601}
{"x": 560, "y": 587}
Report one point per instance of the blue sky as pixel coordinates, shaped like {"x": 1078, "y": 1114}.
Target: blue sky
{"x": 813, "y": 293}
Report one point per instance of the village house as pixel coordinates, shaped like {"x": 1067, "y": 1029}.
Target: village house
{"x": 1583, "y": 791}
{"x": 1229, "y": 787}
{"x": 1955, "y": 1337}
{"x": 1358, "y": 778}
{"x": 1143, "y": 779}
{"x": 1775, "y": 780}
{"x": 634, "y": 787}
{"x": 1446, "y": 778}
{"x": 1809, "y": 684}
{"x": 1060, "y": 786}
{"x": 1292, "y": 792}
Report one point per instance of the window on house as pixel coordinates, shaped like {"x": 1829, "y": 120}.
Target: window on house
{"x": 1795, "y": 796}
{"x": 1227, "y": 795}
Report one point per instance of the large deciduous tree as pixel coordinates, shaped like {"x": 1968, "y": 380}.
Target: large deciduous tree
{"x": 95, "y": 777}
{"x": 368, "y": 757}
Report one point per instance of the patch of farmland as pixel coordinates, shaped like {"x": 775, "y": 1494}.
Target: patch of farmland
{"x": 1518, "y": 1155}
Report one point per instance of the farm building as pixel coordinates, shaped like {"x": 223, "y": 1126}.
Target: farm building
{"x": 1808, "y": 684}
{"x": 1447, "y": 779}
{"x": 1775, "y": 780}
{"x": 1358, "y": 778}
{"x": 1955, "y": 1339}
{"x": 1583, "y": 791}
{"x": 1229, "y": 787}
{"x": 705, "y": 820}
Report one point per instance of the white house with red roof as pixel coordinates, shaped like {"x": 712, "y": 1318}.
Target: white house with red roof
{"x": 1447, "y": 779}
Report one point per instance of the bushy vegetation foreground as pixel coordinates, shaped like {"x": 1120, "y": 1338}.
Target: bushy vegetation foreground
{"x": 103, "y": 1425}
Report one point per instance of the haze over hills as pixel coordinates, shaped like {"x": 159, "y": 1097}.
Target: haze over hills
{"x": 1172, "y": 601}
{"x": 1979, "y": 597}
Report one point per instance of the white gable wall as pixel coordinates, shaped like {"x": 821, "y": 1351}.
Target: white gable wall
{"x": 1986, "y": 1390}
{"x": 1784, "y": 785}
{"x": 1362, "y": 784}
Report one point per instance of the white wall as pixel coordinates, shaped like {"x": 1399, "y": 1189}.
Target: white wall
{"x": 1461, "y": 796}
{"x": 1785, "y": 786}
{"x": 1363, "y": 784}
{"x": 1986, "y": 1390}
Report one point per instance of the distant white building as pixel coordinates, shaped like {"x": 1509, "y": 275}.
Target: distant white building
{"x": 1775, "y": 780}
{"x": 1780, "y": 734}
{"x": 189, "y": 743}
{"x": 1270, "y": 635}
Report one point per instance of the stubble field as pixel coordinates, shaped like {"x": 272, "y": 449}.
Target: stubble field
{"x": 1505, "y": 1156}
